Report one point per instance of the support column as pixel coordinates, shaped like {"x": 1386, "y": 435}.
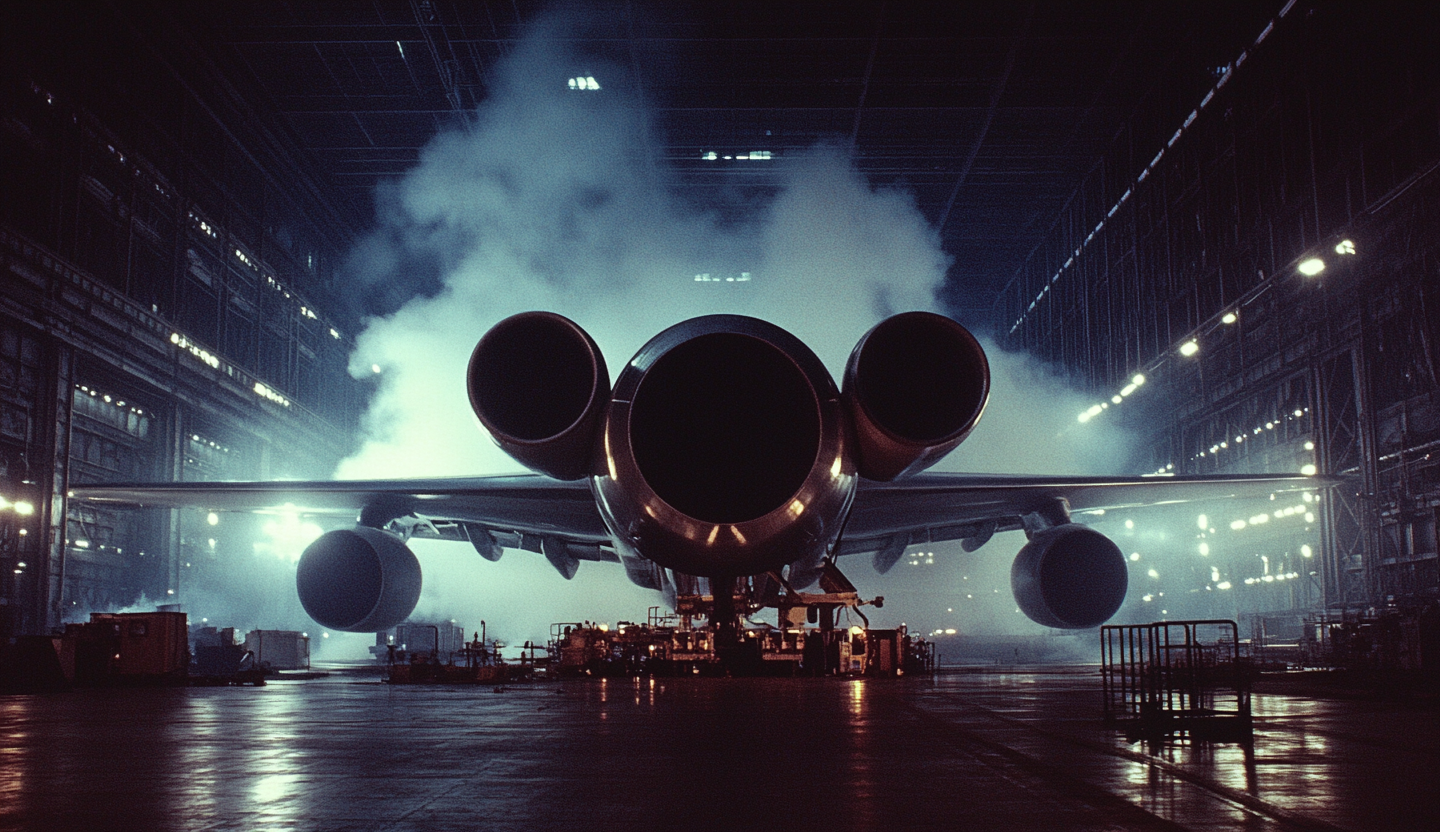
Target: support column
{"x": 45, "y": 608}
{"x": 1348, "y": 537}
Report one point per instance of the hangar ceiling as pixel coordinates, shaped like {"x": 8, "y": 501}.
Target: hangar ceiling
{"x": 990, "y": 113}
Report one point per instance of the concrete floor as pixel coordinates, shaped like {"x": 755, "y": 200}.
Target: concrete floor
{"x": 1023, "y": 749}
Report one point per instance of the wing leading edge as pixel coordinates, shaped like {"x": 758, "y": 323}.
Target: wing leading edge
{"x": 925, "y": 508}
{"x": 938, "y": 507}
{"x": 509, "y": 507}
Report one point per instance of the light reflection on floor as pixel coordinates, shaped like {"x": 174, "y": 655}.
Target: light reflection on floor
{"x": 1015, "y": 750}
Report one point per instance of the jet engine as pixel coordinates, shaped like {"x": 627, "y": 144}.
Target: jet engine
{"x": 539, "y": 385}
{"x": 359, "y": 580}
{"x": 914, "y": 388}
{"x": 1069, "y": 576}
{"x": 725, "y": 450}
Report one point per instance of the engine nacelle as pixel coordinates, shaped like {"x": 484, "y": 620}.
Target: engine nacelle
{"x": 724, "y": 450}
{"x": 914, "y": 388}
{"x": 359, "y": 580}
{"x": 1069, "y": 576}
{"x": 539, "y": 385}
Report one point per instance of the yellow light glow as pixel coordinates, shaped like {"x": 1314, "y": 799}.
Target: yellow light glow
{"x": 1311, "y": 266}
{"x": 1189, "y": 348}
{"x": 609, "y": 458}
{"x": 1229, "y": 318}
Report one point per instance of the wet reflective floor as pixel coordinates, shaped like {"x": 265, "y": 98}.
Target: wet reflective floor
{"x": 1010, "y": 750}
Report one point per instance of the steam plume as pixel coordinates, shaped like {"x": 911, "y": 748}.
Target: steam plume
{"x": 546, "y": 200}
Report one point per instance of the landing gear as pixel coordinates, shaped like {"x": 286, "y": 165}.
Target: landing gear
{"x": 737, "y": 655}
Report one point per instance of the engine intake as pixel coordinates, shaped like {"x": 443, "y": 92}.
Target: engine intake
{"x": 725, "y": 427}
{"x": 1069, "y": 576}
{"x": 724, "y": 450}
{"x": 359, "y": 580}
{"x": 914, "y": 388}
{"x": 539, "y": 385}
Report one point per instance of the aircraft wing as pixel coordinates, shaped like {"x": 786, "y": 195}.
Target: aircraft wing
{"x": 934, "y": 507}
{"x": 516, "y": 511}
{"x": 519, "y": 510}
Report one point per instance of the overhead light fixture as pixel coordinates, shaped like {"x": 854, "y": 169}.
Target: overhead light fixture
{"x": 1230, "y": 318}
{"x": 1344, "y": 247}
{"x": 1189, "y": 348}
{"x": 1311, "y": 266}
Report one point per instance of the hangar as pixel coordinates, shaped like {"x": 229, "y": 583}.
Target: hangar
{"x": 1217, "y": 223}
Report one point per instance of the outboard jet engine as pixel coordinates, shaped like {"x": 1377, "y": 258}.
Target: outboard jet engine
{"x": 359, "y": 580}
{"x": 1069, "y": 576}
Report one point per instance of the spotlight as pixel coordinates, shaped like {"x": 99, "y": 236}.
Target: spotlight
{"x": 1311, "y": 266}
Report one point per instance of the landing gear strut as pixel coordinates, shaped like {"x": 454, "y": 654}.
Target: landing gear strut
{"x": 737, "y": 655}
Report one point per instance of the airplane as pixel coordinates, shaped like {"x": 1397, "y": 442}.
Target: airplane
{"x": 726, "y": 452}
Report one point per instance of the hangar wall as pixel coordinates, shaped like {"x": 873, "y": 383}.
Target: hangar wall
{"x": 1193, "y": 230}
{"x": 167, "y": 307}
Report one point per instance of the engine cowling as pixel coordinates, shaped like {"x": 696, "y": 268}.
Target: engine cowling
{"x": 1070, "y": 577}
{"x": 914, "y": 388}
{"x": 725, "y": 450}
{"x": 539, "y": 385}
{"x": 359, "y": 580}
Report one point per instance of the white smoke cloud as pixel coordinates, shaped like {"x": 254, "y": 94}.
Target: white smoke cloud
{"x": 551, "y": 199}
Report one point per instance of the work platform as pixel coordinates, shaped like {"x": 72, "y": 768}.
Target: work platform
{"x": 1006, "y": 748}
